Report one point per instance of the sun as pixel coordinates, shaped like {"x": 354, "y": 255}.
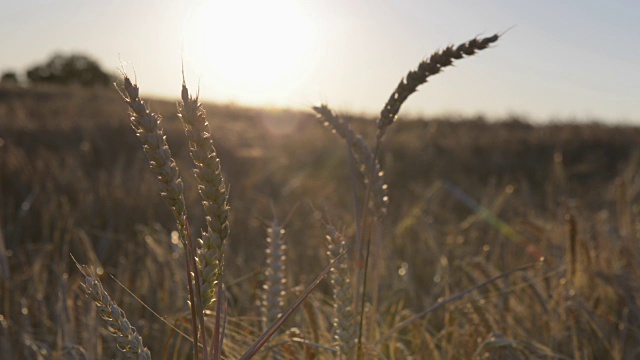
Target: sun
{"x": 259, "y": 51}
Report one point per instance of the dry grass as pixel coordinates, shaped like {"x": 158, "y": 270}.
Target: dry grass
{"x": 470, "y": 200}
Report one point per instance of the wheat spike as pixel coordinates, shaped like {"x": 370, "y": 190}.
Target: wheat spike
{"x": 148, "y": 129}
{"x": 275, "y": 272}
{"x": 369, "y": 164}
{"x": 127, "y": 338}
{"x": 344, "y": 318}
{"x": 210, "y": 258}
{"x": 431, "y": 66}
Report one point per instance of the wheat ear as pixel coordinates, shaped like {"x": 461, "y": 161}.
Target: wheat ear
{"x": 274, "y": 288}
{"x": 127, "y": 338}
{"x": 344, "y": 318}
{"x": 370, "y": 166}
{"x": 436, "y": 62}
{"x": 147, "y": 127}
{"x": 210, "y": 258}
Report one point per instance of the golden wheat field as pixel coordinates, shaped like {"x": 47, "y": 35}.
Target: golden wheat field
{"x": 341, "y": 237}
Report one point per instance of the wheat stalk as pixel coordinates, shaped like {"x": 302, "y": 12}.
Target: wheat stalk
{"x": 210, "y": 259}
{"x": 370, "y": 160}
{"x": 154, "y": 144}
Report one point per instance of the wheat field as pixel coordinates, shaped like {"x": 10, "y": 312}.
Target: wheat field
{"x": 279, "y": 234}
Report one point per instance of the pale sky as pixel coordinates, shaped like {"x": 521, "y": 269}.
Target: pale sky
{"x": 560, "y": 60}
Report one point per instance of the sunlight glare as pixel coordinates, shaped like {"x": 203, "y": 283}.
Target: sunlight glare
{"x": 256, "y": 52}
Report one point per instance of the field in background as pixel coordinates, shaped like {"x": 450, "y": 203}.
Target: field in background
{"x": 469, "y": 199}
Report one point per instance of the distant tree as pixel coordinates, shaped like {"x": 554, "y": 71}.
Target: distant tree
{"x": 70, "y": 69}
{"x": 9, "y": 78}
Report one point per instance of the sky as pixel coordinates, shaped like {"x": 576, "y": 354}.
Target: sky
{"x": 556, "y": 61}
